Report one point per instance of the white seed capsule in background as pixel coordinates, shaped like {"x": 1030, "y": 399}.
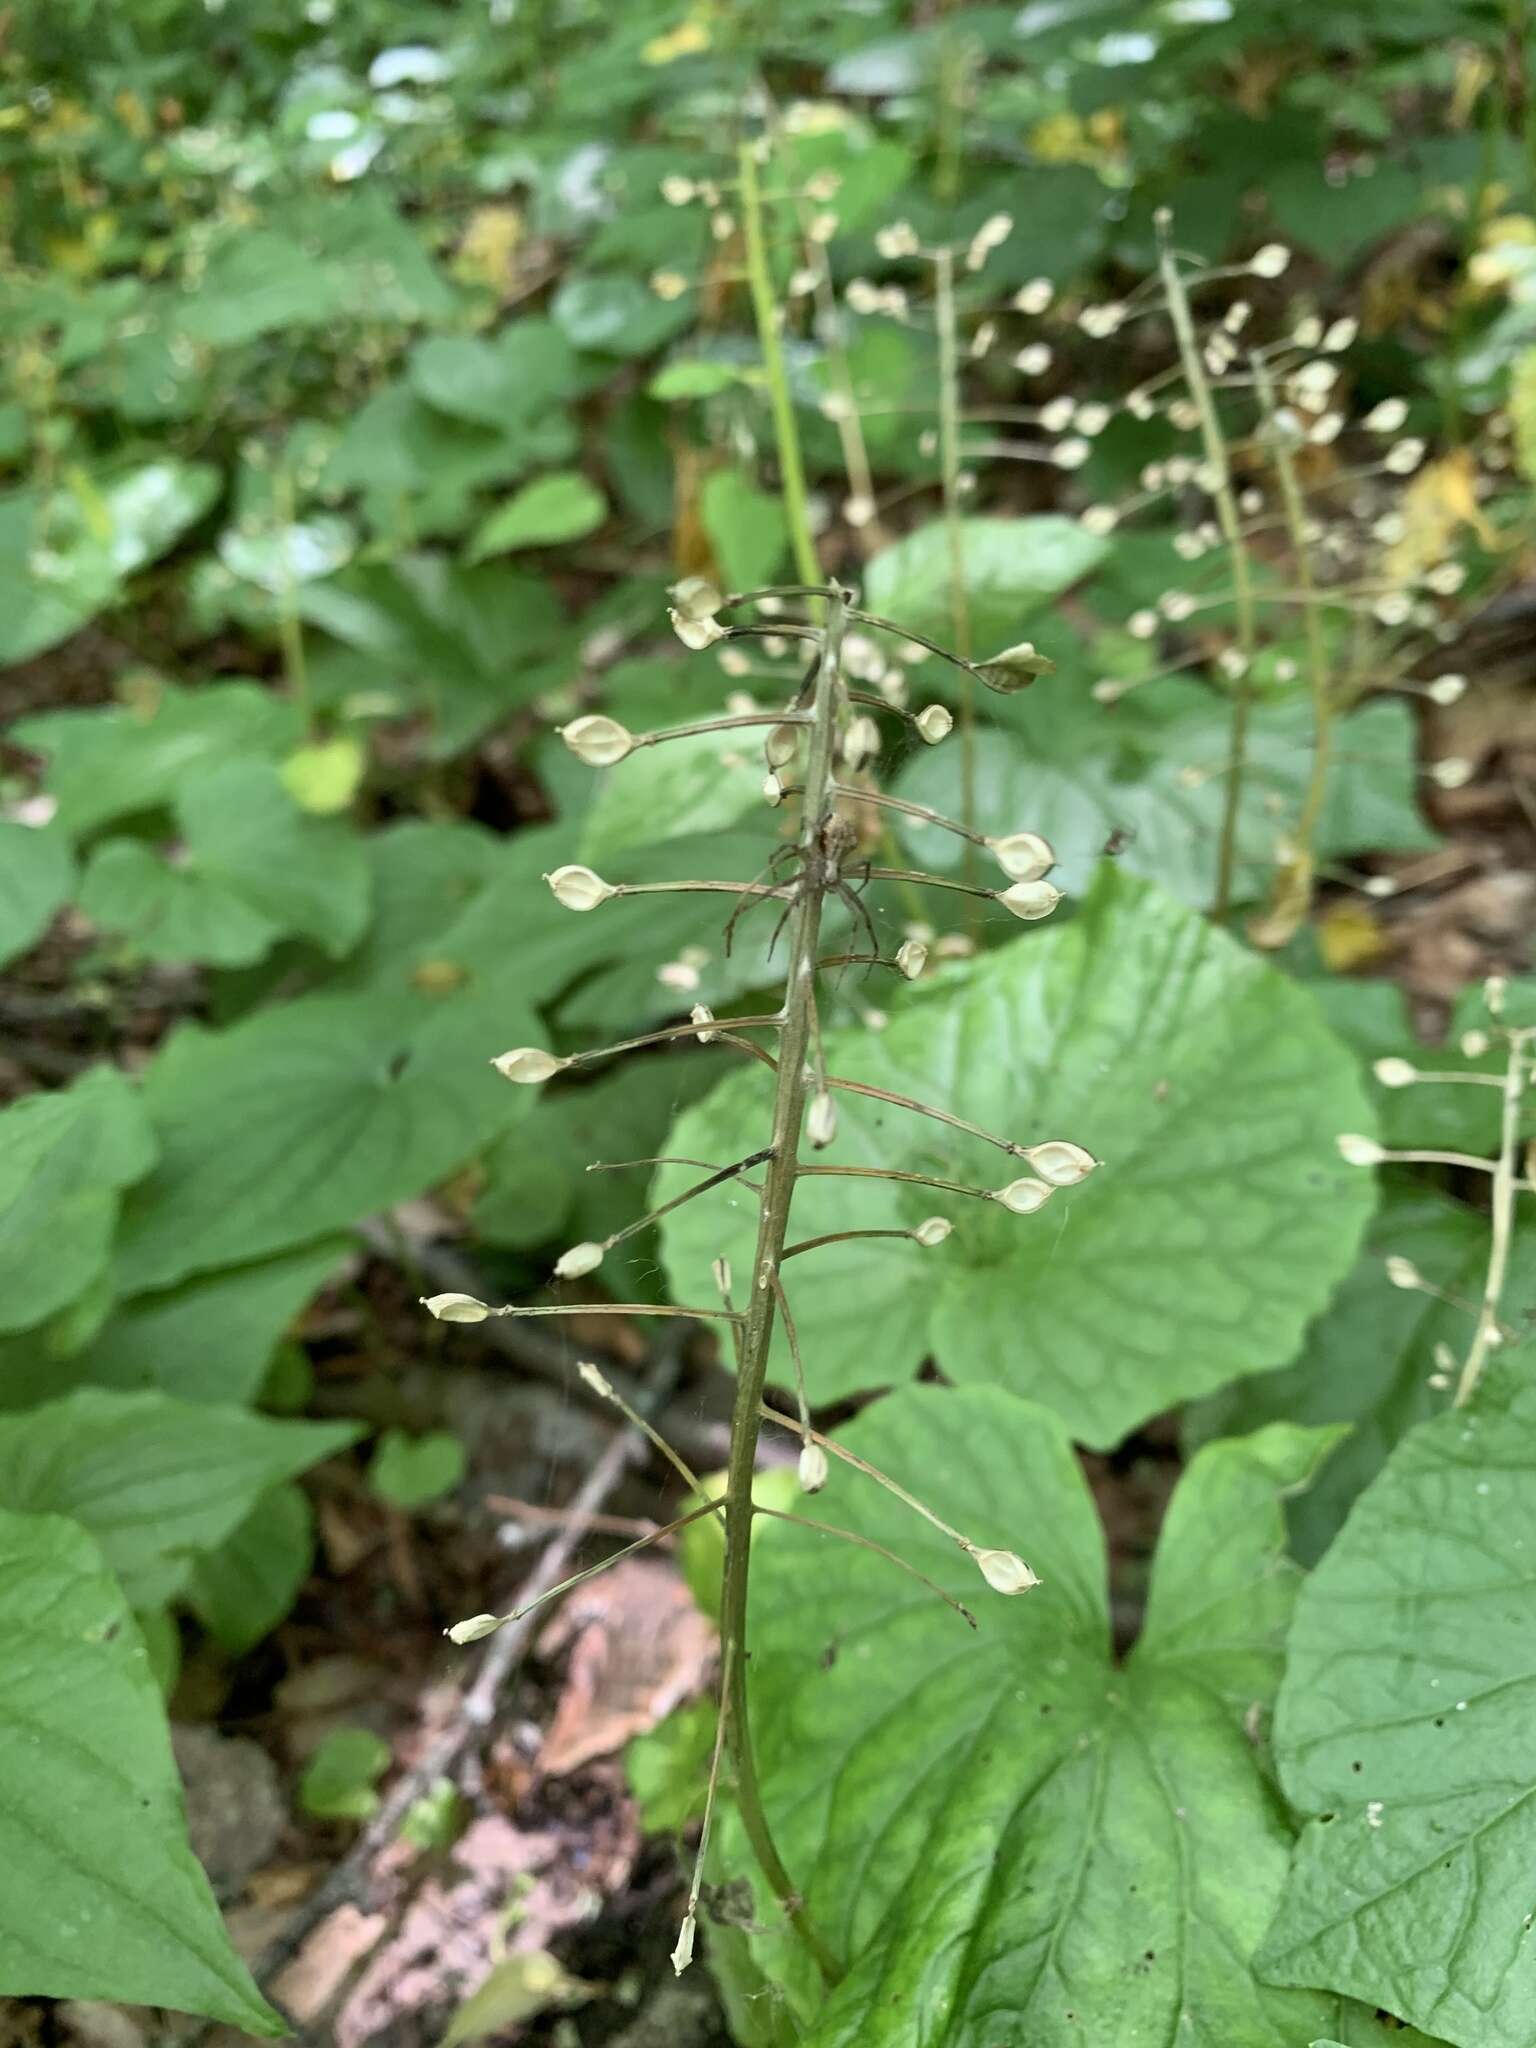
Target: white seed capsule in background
{"x": 702, "y": 1015}
{"x": 1024, "y": 1196}
{"x": 598, "y": 741}
{"x": 1024, "y": 856}
{"x": 773, "y": 790}
{"x": 861, "y": 742}
{"x": 821, "y": 1119}
{"x": 933, "y": 1230}
{"x": 1403, "y": 1272}
{"x": 696, "y": 634}
{"x": 1004, "y": 1571}
{"x": 1448, "y": 689}
{"x": 721, "y": 1268}
{"x": 813, "y": 1468}
{"x": 780, "y": 745}
{"x": 1029, "y": 900}
{"x": 1273, "y": 260}
{"x": 911, "y": 958}
{"x": 1473, "y": 1044}
{"x": 1061, "y": 1162}
{"x": 934, "y": 723}
{"x": 1386, "y": 417}
{"x": 471, "y": 1631}
{"x": 580, "y": 1260}
{"x": 578, "y": 888}
{"x": 454, "y": 1308}
{"x": 1358, "y": 1151}
{"x": 1395, "y": 1073}
{"x": 528, "y": 1063}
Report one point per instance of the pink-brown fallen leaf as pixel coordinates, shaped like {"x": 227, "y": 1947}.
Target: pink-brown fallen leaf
{"x": 327, "y": 1959}
{"x": 638, "y": 1647}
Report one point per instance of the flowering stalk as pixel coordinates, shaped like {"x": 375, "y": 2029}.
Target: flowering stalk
{"x": 766, "y": 313}
{"x": 1505, "y": 1191}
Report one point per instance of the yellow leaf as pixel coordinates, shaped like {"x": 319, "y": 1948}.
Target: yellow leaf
{"x": 1349, "y": 936}
{"x": 1441, "y": 500}
{"x": 688, "y": 39}
{"x": 324, "y": 777}
{"x": 488, "y": 252}
{"x": 519, "y": 1988}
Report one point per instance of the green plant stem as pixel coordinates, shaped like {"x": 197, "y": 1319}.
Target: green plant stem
{"x": 1319, "y": 678}
{"x": 773, "y": 1223}
{"x": 290, "y": 631}
{"x": 1230, "y": 521}
{"x": 766, "y": 314}
{"x": 1505, "y": 1191}
{"x": 959, "y": 608}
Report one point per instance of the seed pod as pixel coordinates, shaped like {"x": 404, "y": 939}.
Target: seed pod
{"x": 578, "y": 888}
{"x": 1004, "y": 1571}
{"x": 911, "y": 958}
{"x": 821, "y": 1119}
{"x": 1060, "y": 1162}
{"x": 1024, "y": 1196}
{"x": 702, "y": 1015}
{"x": 695, "y": 597}
{"x": 696, "y": 634}
{"x": 598, "y": 741}
{"x": 682, "y": 1954}
{"x": 861, "y": 742}
{"x": 1395, "y": 1073}
{"x": 455, "y": 1308}
{"x": 1273, "y": 260}
{"x": 773, "y": 790}
{"x": 933, "y": 1230}
{"x": 781, "y": 744}
{"x": 1029, "y": 900}
{"x": 1024, "y": 856}
{"x": 1358, "y": 1151}
{"x": 1403, "y": 1272}
{"x": 813, "y": 1468}
{"x": 722, "y": 1272}
{"x": 471, "y": 1631}
{"x": 593, "y": 1377}
{"x": 580, "y": 1260}
{"x": 528, "y": 1063}
{"x": 934, "y": 723}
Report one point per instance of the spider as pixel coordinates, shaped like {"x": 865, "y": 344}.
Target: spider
{"x": 824, "y": 868}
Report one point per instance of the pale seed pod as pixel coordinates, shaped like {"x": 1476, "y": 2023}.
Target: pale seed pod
{"x": 1273, "y": 260}
{"x": 861, "y": 742}
{"x": 455, "y": 1308}
{"x": 1358, "y": 1151}
{"x": 934, "y": 723}
{"x": 1099, "y": 519}
{"x": 1023, "y": 1197}
{"x": 528, "y": 1064}
{"x": 682, "y": 1954}
{"x": 594, "y": 1377}
{"x": 1403, "y": 457}
{"x": 821, "y": 1119}
{"x": 1473, "y": 1044}
{"x": 1387, "y": 416}
{"x": 1029, "y": 900}
{"x": 578, "y": 888}
{"x": 1454, "y": 772}
{"x": 933, "y": 1230}
{"x": 599, "y": 741}
{"x": 702, "y": 1015}
{"x": 696, "y": 634}
{"x": 580, "y": 1260}
{"x": 1403, "y": 1272}
{"x": 721, "y": 1269}
{"x": 1023, "y": 856}
{"x": 780, "y": 745}
{"x": 773, "y": 790}
{"x": 471, "y": 1631}
{"x": 1449, "y": 689}
{"x": 1035, "y": 296}
{"x": 1004, "y": 1571}
{"x": 813, "y": 1468}
{"x": 911, "y": 958}
{"x": 1061, "y": 1162}
{"x": 1393, "y": 1073}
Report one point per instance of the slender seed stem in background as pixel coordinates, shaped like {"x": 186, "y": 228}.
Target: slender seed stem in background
{"x": 1231, "y": 526}
{"x": 766, "y": 313}
{"x": 959, "y": 608}
{"x": 1505, "y": 1193}
{"x": 1319, "y": 678}
{"x": 757, "y": 1335}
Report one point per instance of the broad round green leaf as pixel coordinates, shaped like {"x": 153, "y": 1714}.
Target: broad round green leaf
{"x": 37, "y": 875}
{"x": 1404, "y": 1731}
{"x": 1218, "y": 1223}
{"x": 155, "y": 1481}
{"x": 551, "y": 509}
{"x": 410, "y": 1471}
{"x": 304, "y": 1118}
{"x": 1012, "y": 566}
{"x": 100, "y": 1896}
{"x": 241, "y": 1590}
{"x": 1152, "y": 770}
{"x": 1008, "y": 1838}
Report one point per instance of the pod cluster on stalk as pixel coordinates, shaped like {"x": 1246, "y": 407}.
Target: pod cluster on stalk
{"x": 1510, "y": 1175}
{"x": 818, "y": 748}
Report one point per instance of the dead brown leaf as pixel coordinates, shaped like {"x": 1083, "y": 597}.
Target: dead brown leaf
{"x": 638, "y": 1646}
